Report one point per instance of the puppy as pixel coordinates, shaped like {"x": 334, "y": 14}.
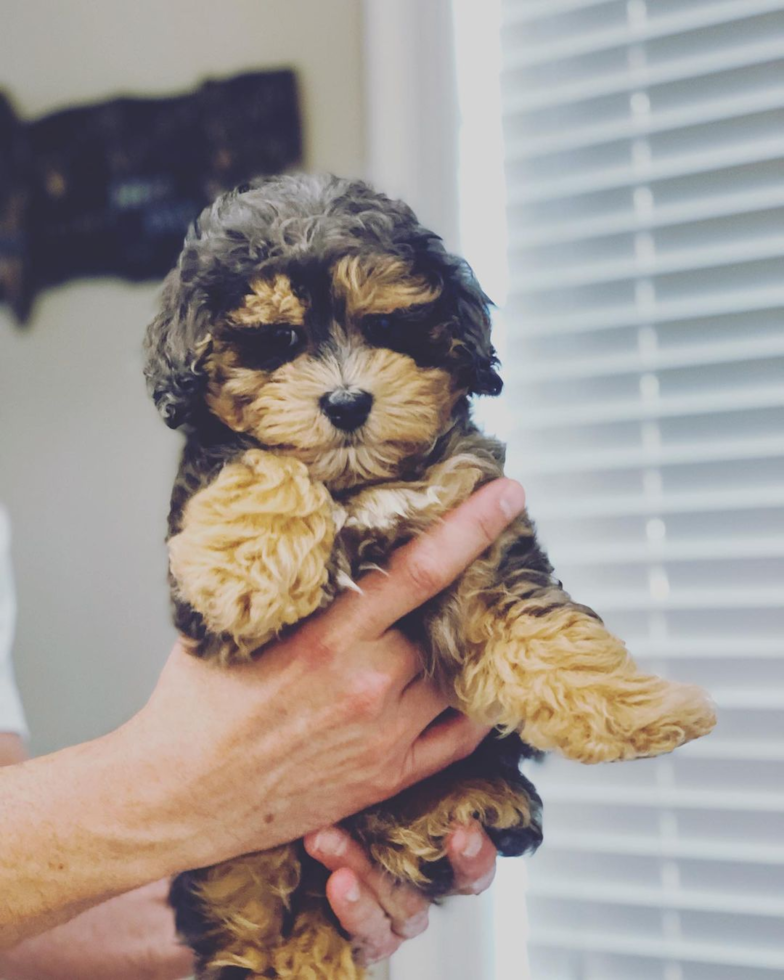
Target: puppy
{"x": 319, "y": 347}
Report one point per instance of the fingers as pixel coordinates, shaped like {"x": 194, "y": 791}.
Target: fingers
{"x": 398, "y": 655}
{"x": 362, "y": 917}
{"x": 405, "y": 909}
{"x": 426, "y": 566}
{"x": 440, "y": 745}
{"x": 379, "y": 914}
{"x": 422, "y": 701}
{"x": 472, "y": 856}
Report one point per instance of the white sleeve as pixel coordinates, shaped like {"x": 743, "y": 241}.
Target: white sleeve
{"x": 11, "y": 713}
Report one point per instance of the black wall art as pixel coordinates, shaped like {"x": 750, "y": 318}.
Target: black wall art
{"x": 110, "y": 189}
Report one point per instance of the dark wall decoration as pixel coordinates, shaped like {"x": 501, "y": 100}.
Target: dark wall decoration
{"x": 109, "y": 189}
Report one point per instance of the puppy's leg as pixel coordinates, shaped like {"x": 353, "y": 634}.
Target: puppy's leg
{"x": 233, "y": 914}
{"x": 408, "y": 835}
{"x": 315, "y": 948}
{"x": 264, "y": 916}
{"x": 251, "y": 555}
{"x": 534, "y": 661}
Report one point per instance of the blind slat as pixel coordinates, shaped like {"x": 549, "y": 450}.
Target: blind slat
{"x": 660, "y": 311}
{"x": 681, "y": 798}
{"x": 749, "y": 749}
{"x": 644, "y": 29}
{"x": 529, "y": 10}
{"x": 699, "y": 66}
{"x": 697, "y": 355}
{"x": 734, "y": 852}
{"x": 687, "y": 260}
{"x": 756, "y": 699}
{"x": 706, "y": 599}
{"x": 662, "y": 949}
{"x": 673, "y": 551}
{"x": 647, "y": 172}
{"x": 684, "y": 502}
{"x": 699, "y": 403}
{"x": 757, "y": 646}
{"x": 658, "y": 216}
{"x": 632, "y": 457}
{"x": 703, "y": 901}
{"x": 653, "y": 122}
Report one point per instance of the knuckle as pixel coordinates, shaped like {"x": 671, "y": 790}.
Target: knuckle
{"x": 405, "y": 659}
{"x": 414, "y": 925}
{"x": 384, "y": 778}
{"x": 367, "y": 693}
{"x": 318, "y": 647}
{"x": 382, "y": 950}
{"x": 413, "y": 907}
{"x": 483, "y": 883}
{"x": 424, "y": 574}
{"x": 467, "y": 743}
{"x": 487, "y": 529}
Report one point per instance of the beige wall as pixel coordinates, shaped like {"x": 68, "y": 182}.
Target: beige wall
{"x": 85, "y": 464}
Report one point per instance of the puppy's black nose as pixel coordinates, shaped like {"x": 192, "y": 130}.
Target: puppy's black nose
{"x": 346, "y": 410}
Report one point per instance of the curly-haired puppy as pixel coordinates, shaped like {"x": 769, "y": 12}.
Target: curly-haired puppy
{"x": 320, "y": 346}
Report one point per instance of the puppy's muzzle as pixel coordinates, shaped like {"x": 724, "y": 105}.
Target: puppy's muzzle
{"x": 347, "y": 410}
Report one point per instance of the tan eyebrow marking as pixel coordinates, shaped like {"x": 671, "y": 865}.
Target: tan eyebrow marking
{"x": 380, "y": 284}
{"x": 270, "y": 301}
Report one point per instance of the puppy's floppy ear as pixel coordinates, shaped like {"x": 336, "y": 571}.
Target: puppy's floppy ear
{"x": 475, "y": 353}
{"x": 175, "y": 347}
{"x": 468, "y": 307}
{"x": 474, "y": 312}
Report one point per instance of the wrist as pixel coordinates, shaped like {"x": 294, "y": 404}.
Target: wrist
{"x": 180, "y": 768}
{"x": 157, "y": 806}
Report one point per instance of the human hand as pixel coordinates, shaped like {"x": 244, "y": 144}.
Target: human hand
{"x": 379, "y": 914}
{"x": 222, "y": 762}
{"x": 130, "y": 937}
{"x": 330, "y": 720}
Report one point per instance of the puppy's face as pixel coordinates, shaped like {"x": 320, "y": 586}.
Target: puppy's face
{"x": 350, "y": 365}
{"x": 319, "y": 317}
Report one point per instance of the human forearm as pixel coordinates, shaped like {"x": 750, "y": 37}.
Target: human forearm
{"x": 130, "y": 937}
{"x": 108, "y": 827}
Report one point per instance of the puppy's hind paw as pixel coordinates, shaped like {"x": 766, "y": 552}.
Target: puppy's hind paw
{"x": 665, "y": 714}
{"x": 624, "y": 718}
{"x": 565, "y": 683}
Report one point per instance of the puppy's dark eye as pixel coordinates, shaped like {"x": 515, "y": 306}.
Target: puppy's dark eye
{"x": 284, "y": 338}
{"x": 266, "y": 347}
{"x": 412, "y": 331}
{"x": 380, "y": 329}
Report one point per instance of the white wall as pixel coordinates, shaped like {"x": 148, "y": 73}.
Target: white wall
{"x": 85, "y": 464}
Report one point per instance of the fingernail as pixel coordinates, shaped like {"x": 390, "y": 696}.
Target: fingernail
{"x": 512, "y": 501}
{"x": 473, "y": 844}
{"x": 330, "y": 841}
{"x": 352, "y": 892}
{"x": 484, "y": 882}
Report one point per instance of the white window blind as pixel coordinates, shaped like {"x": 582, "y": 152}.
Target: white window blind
{"x": 644, "y": 366}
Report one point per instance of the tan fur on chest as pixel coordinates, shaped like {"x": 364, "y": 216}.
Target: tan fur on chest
{"x": 404, "y": 507}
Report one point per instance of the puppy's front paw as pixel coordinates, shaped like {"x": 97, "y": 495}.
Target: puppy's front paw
{"x": 253, "y": 550}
